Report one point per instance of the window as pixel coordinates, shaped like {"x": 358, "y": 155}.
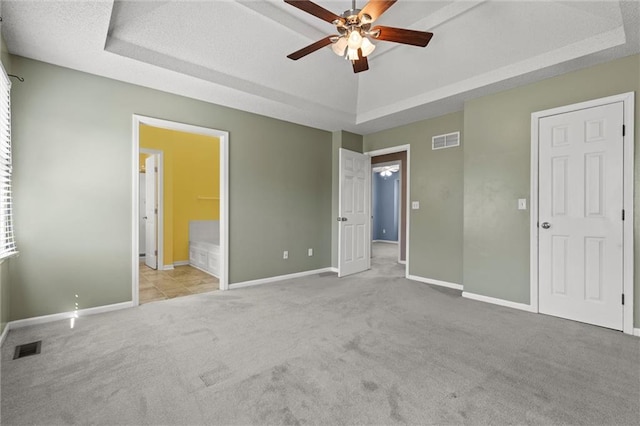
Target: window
{"x": 7, "y": 242}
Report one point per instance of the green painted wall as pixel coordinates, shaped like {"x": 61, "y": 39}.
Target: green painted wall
{"x": 72, "y": 136}
{"x": 73, "y": 189}
{"x": 435, "y": 242}
{"x": 497, "y": 168}
{"x": 352, "y": 142}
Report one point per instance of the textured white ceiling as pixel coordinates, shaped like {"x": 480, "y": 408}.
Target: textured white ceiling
{"x": 233, "y": 52}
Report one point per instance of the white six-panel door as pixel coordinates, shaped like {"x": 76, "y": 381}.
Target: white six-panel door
{"x": 580, "y": 215}
{"x": 354, "y": 231}
{"x": 151, "y": 212}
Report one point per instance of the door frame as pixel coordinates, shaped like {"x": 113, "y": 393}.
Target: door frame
{"x": 160, "y": 194}
{"x": 223, "y": 137}
{"x": 627, "y": 204}
{"x": 407, "y": 202}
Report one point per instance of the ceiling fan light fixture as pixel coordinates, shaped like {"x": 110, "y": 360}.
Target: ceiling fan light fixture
{"x": 352, "y": 54}
{"x": 367, "y": 47}
{"x": 339, "y": 46}
{"x": 355, "y": 40}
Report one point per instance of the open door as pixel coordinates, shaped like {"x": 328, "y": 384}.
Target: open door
{"x": 151, "y": 212}
{"x": 354, "y": 230}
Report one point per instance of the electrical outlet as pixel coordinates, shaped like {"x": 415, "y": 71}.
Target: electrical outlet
{"x": 310, "y": 252}
{"x": 285, "y": 255}
{"x": 415, "y": 205}
{"x": 384, "y": 231}
{"x": 522, "y": 203}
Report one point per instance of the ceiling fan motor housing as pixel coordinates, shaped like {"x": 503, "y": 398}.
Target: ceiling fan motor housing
{"x": 351, "y": 16}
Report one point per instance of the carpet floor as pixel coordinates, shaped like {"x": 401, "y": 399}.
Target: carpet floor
{"x": 373, "y": 348}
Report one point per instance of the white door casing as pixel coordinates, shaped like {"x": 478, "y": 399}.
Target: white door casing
{"x": 580, "y": 237}
{"x": 223, "y": 137}
{"x": 405, "y": 203}
{"x": 151, "y": 212}
{"x": 354, "y": 230}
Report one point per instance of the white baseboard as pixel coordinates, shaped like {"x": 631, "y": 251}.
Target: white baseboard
{"x": 181, "y": 263}
{"x": 385, "y": 241}
{"x": 332, "y": 269}
{"x": 435, "y": 282}
{"x": 402, "y": 262}
{"x": 167, "y": 268}
{"x": 636, "y": 332}
{"x": 66, "y": 315}
{"x": 501, "y": 302}
{"x": 280, "y": 278}
{"x": 4, "y": 334}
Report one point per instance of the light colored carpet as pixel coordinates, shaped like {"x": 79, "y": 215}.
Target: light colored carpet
{"x": 373, "y": 348}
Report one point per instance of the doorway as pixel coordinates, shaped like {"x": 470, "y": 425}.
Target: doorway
{"x": 166, "y": 264}
{"x": 582, "y": 169}
{"x": 400, "y": 156}
{"x": 386, "y": 210}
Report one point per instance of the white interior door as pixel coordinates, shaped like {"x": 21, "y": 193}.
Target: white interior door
{"x": 151, "y": 212}
{"x": 354, "y": 231}
{"x": 580, "y": 215}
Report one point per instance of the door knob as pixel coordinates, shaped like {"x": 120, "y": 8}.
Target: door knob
{"x": 342, "y": 219}
{"x": 546, "y": 225}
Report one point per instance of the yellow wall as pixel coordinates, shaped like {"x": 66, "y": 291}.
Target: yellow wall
{"x": 191, "y": 170}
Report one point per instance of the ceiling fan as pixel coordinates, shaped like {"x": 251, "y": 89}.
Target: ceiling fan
{"x": 355, "y": 32}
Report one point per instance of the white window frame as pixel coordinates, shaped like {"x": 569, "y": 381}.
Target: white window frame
{"x": 7, "y": 240}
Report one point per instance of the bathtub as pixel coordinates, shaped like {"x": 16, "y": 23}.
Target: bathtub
{"x": 204, "y": 246}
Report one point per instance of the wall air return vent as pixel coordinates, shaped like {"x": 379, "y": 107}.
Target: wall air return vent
{"x": 445, "y": 141}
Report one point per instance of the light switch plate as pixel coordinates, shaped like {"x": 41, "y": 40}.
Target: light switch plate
{"x": 415, "y": 205}
{"x": 522, "y": 203}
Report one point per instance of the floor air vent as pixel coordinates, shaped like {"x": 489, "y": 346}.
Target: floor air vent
{"x": 27, "y": 349}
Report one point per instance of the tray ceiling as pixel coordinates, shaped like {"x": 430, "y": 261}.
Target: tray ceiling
{"x": 233, "y": 53}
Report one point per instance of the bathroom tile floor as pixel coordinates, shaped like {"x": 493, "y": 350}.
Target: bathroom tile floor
{"x": 182, "y": 281}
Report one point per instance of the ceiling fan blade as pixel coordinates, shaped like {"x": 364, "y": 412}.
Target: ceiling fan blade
{"x": 361, "y": 64}
{"x": 310, "y": 49}
{"x": 375, "y": 8}
{"x": 400, "y": 35}
{"x": 315, "y": 10}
